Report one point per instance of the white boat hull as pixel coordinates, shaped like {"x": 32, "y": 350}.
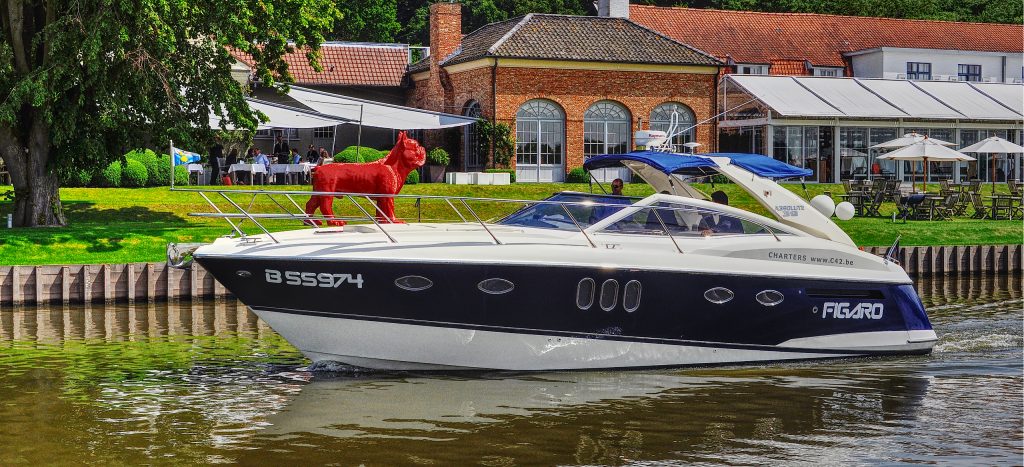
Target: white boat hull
{"x": 400, "y": 346}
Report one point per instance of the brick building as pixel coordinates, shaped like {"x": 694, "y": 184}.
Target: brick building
{"x": 569, "y": 86}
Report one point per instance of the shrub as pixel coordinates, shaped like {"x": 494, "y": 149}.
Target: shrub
{"x": 438, "y": 156}
{"x": 134, "y": 174}
{"x": 180, "y": 175}
{"x": 149, "y": 159}
{"x": 76, "y": 178}
{"x": 109, "y": 177}
{"x": 353, "y": 154}
{"x": 503, "y": 171}
{"x": 578, "y": 175}
{"x": 413, "y": 178}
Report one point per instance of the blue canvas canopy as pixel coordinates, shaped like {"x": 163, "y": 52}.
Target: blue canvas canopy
{"x": 669, "y": 163}
{"x": 664, "y": 161}
{"x": 764, "y": 166}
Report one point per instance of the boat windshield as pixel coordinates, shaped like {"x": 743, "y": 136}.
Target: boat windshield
{"x": 583, "y": 209}
{"x": 683, "y": 220}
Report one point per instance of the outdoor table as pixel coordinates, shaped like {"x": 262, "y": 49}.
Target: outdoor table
{"x": 252, "y": 169}
{"x": 298, "y": 171}
{"x": 195, "y": 169}
{"x": 1002, "y": 203}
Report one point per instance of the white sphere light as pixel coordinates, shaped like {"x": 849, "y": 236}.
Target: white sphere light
{"x": 824, "y": 205}
{"x": 845, "y": 211}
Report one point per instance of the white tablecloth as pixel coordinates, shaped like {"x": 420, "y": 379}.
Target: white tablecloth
{"x": 192, "y": 168}
{"x": 254, "y": 168}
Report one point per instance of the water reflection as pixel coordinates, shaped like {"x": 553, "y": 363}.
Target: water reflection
{"x": 207, "y": 382}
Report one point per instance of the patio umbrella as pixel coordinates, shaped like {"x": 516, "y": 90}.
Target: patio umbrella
{"x": 993, "y": 145}
{"x": 927, "y": 150}
{"x": 908, "y": 139}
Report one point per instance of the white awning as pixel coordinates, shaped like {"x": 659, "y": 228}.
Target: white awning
{"x": 967, "y": 100}
{"x": 816, "y": 97}
{"x": 282, "y": 116}
{"x": 1010, "y": 96}
{"x": 376, "y": 114}
{"x": 909, "y": 98}
{"x": 852, "y": 99}
{"x": 785, "y": 96}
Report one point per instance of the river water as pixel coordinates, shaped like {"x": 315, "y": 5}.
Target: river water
{"x": 206, "y": 382}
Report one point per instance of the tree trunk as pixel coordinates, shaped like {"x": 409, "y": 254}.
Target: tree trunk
{"x": 36, "y": 187}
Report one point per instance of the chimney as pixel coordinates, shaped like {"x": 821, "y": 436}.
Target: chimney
{"x": 613, "y": 8}
{"x": 445, "y": 30}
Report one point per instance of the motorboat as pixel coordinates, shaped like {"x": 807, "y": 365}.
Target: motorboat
{"x": 579, "y": 280}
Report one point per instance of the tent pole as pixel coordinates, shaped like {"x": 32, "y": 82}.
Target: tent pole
{"x": 334, "y": 141}
{"x": 992, "y": 171}
{"x": 359, "y": 134}
{"x": 172, "y": 163}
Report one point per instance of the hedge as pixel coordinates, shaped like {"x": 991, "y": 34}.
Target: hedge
{"x": 149, "y": 159}
{"x": 438, "y": 156}
{"x": 110, "y": 177}
{"x": 578, "y": 175}
{"x": 134, "y": 174}
{"x": 413, "y": 178}
{"x": 364, "y": 154}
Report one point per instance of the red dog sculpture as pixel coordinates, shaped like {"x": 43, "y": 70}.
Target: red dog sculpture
{"x": 384, "y": 176}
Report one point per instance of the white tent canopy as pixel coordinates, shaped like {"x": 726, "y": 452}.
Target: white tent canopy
{"x": 376, "y": 114}
{"x": 908, "y": 139}
{"x": 810, "y": 96}
{"x": 282, "y": 116}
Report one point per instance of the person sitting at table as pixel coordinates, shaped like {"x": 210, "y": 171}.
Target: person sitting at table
{"x": 325, "y": 157}
{"x": 260, "y": 159}
{"x": 295, "y": 157}
{"x": 312, "y": 156}
{"x": 232, "y": 158}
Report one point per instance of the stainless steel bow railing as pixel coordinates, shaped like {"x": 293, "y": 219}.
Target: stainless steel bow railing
{"x": 276, "y": 197}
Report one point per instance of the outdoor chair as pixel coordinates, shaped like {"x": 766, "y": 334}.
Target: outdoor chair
{"x": 892, "y": 191}
{"x": 948, "y": 207}
{"x": 975, "y": 186}
{"x": 1012, "y": 184}
{"x": 980, "y": 210}
{"x": 907, "y": 206}
{"x": 848, "y": 186}
{"x": 876, "y": 197}
{"x": 944, "y": 186}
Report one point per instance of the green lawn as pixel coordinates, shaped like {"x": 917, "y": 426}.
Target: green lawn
{"x": 134, "y": 225}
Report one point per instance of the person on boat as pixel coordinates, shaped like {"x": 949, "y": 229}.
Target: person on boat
{"x": 617, "y": 187}
{"x": 717, "y": 223}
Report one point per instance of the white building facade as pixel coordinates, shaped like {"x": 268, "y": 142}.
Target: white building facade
{"x": 937, "y": 65}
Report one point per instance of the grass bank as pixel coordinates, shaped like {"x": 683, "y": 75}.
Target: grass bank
{"x": 121, "y": 225}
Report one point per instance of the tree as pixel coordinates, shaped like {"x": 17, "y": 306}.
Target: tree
{"x": 368, "y": 21}
{"x": 82, "y": 82}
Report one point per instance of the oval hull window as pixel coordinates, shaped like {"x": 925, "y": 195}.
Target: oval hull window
{"x": 413, "y": 283}
{"x": 585, "y": 293}
{"x": 769, "y": 297}
{"x": 495, "y": 286}
{"x": 631, "y": 296}
{"x": 718, "y": 295}
{"x": 609, "y": 294}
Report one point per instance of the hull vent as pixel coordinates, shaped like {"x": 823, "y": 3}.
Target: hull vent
{"x": 769, "y": 297}
{"x": 719, "y": 295}
{"x": 495, "y": 286}
{"x": 413, "y": 283}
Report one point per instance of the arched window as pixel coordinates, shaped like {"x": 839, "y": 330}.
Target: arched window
{"x": 540, "y": 141}
{"x": 470, "y": 137}
{"x": 661, "y": 119}
{"x": 606, "y": 127}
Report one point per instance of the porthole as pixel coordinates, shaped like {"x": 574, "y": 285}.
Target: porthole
{"x": 609, "y": 294}
{"x": 718, "y": 295}
{"x": 585, "y": 293}
{"x": 413, "y": 283}
{"x": 495, "y": 286}
{"x": 631, "y": 296}
{"x": 769, "y": 297}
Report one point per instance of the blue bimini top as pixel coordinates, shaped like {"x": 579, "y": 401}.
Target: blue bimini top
{"x": 670, "y": 163}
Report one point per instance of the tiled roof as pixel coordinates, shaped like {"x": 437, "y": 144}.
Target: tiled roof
{"x": 574, "y": 38}
{"x": 756, "y": 37}
{"x": 788, "y": 67}
{"x": 347, "y": 64}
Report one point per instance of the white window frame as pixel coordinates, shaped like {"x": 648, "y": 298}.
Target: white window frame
{"x": 751, "y": 69}
{"x": 827, "y": 71}
{"x": 325, "y": 132}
